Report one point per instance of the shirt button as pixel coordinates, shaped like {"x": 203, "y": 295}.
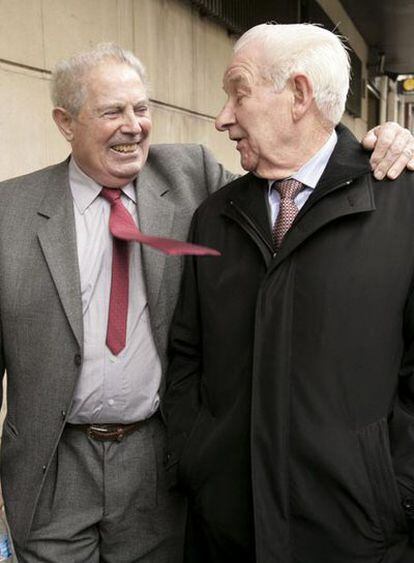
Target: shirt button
{"x": 111, "y": 402}
{"x": 77, "y": 359}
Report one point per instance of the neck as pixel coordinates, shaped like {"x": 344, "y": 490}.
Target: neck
{"x": 296, "y": 152}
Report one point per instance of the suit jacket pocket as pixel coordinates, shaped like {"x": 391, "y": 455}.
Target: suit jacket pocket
{"x": 375, "y": 447}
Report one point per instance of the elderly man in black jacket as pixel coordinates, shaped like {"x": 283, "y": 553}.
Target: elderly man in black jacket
{"x": 290, "y": 398}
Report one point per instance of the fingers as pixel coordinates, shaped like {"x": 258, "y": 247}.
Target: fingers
{"x": 368, "y": 142}
{"x": 406, "y": 159}
{"x": 410, "y": 164}
{"x": 393, "y": 151}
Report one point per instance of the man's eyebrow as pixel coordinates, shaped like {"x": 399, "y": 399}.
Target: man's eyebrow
{"x": 121, "y": 105}
{"x": 107, "y": 106}
{"x": 236, "y": 80}
{"x": 142, "y": 102}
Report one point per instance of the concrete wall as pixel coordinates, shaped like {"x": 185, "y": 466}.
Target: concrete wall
{"x": 184, "y": 54}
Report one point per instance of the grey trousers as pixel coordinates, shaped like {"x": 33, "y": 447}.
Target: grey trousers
{"x": 107, "y": 502}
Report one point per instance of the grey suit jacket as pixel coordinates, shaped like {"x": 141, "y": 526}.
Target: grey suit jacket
{"x": 41, "y": 332}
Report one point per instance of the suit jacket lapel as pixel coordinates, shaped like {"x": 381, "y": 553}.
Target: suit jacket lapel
{"x": 57, "y": 237}
{"x": 155, "y": 217}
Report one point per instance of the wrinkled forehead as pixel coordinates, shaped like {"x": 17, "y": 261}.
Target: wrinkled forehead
{"x": 110, "y": 79}
{"x": 247, "y": 68}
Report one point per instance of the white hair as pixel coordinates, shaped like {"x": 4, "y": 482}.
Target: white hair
{"x": 305, "y": 49}
{"x": 68, "y": 85}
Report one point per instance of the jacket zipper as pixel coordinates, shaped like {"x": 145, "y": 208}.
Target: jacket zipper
{"x": 250, "y": 228}
{"x": 246, "y": 223}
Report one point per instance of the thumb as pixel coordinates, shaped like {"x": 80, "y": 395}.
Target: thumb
{"x": 369, "y": 140}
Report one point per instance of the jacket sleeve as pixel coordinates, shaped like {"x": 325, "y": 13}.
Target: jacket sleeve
{"x": 402, "y": 421}
{"x": 181, "y": 400}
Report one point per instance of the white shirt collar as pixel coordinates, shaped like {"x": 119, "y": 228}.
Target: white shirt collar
{"x": 85, "y": 190}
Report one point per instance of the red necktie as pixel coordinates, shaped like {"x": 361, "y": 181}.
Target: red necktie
{"x": 288, "y": 190}
{"x": 124, "y": 229}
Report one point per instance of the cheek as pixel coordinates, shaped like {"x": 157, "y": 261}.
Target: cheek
{"x": 146, "y": 126}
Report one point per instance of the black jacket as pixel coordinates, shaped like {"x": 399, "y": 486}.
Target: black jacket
{"x": 290, "y": 400}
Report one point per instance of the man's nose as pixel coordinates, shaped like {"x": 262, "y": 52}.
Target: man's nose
{"x": 225, "y": 118}
{"x": 131, "y": 123}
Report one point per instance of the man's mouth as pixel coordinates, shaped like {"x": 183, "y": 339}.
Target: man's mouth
{"x": 236, "y": 140}
{"x": 125, "y": 148}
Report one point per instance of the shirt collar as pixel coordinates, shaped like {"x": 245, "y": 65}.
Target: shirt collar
{"x": 85, "y": 190}
{"x": 310, "y": 173}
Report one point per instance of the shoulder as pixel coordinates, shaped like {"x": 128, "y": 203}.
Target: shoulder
{"x": 25, "y": 192}
{"x": 402, "y": 188}
{"x": 218, "y": 200}
{"x": 188, "y": 166}
{"x": 34, "y": 179}
{"x": 183, "y": 150}
{"x": 172, "y": 158}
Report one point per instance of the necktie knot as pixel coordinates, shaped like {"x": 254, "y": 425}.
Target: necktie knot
{"x": 111, "y": 194}
{"x": 288, "y": 189}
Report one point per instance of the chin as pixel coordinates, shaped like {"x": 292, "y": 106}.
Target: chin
{"x": 127, "y": 171}
{"x": 248, "y": 166}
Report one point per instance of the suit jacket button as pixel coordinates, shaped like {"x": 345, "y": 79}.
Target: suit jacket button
{"x": 78, "y": 359}
{"x": 44, "y": 468}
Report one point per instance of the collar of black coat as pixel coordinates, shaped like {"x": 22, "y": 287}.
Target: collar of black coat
{"x": 348, "y": 162}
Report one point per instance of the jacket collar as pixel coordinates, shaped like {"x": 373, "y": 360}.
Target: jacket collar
{"x": 343, "y": 189}
{"x": 348, "y": 161}
{"x": 156, "y": 212}
{"x": 57, "y": 238}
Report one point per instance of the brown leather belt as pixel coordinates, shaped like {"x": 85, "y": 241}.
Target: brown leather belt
{"x": 109, "y": 432}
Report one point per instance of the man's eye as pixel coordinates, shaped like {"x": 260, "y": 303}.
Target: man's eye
{"x": 111, "y": 113}
{"x": 141, "y": 110}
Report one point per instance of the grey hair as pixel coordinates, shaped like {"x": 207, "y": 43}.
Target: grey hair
{"x": 68, "y": 84}
{"x": 305, "y": 49}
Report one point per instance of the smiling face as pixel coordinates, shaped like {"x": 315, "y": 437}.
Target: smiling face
{"x": 257, "y": 117}
{"x": 110, "y": 134}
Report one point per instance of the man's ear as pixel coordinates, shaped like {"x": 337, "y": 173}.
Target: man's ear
{"x": 302, "y": 95}
{"x": 64, "y": 121}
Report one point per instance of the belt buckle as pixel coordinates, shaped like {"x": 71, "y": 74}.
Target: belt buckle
{"x": 95, "y": 431}
{"x": 101, "y": 432}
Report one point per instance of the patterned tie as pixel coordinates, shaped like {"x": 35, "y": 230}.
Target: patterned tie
{"x": 288, "y": 190}
{"x": 124, "y": 229}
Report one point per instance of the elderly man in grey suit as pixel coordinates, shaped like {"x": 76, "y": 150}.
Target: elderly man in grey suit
{"x": 82, "y": 452}
{"x": 83, "y": 446}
